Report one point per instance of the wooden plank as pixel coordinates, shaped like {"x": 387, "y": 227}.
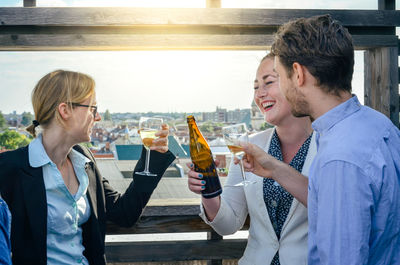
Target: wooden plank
{"x": 29, "y": 3}
{"x": 381, "y": 90}
{"x": 386, "y": 4}
{"x": 117, "y": 16}
{"x": 86, "y": 42}
{"x": 171, "y": 29}
{"x": 168, "y": 219}
{"x": 175, "y": 251}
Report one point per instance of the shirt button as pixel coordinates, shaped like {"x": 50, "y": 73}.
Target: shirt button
{"x": 274, "y": 203}
{"x": 72, "y": 244}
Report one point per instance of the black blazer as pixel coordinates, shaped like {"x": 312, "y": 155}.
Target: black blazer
{"x": 22, "y": 187}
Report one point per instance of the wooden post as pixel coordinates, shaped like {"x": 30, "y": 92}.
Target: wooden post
{"x": 29, "y": 3}
{"x": 381, "y": 89}
{"x": 213, "y": 3}
{"x": 386, "y": 4}
{"x": 213, "y": 236}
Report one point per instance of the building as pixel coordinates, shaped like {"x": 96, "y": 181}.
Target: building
{"x": 257, "y": 118}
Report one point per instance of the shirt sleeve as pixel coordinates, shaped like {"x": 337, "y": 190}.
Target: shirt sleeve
{"x": 5, "y": 246}
{"x": 344, "y": 207}
{"x": 233, "y": 209}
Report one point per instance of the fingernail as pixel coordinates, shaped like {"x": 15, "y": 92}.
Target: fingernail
{"x": 191, "y": 165}
{"x": 203, "y": 182}
{"x": 202, "y": 187}
{"x": 200, "y": 176}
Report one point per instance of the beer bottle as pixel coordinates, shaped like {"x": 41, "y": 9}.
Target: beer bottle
{"x": 203, "y": 161}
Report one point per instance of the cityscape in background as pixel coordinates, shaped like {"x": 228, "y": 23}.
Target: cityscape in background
{"x": 116, "y": 135}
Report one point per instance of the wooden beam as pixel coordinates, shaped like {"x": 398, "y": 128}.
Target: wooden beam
{"x": 175, "y": 251}
{"x": 167, "y": 219}
{"x": 29, "y": 3}
{"x": 115, "y": 16}
{"x": 89, "y": 42}
{"x": 381, "y": 90}
{"x": 386, "y": 4}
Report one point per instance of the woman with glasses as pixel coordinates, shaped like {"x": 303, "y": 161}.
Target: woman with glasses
{"x": 58, "y": 199}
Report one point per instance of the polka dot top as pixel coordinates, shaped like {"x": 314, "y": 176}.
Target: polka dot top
{"x": 277, "y": 200}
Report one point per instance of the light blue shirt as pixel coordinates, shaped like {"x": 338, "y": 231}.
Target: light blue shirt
{"x": 354, "y": 188}
{"x": 66, "y": 212}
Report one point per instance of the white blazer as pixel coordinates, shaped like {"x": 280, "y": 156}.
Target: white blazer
{"x": 237, "y": 202}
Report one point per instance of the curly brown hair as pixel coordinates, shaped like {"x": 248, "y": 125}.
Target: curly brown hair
{"x": 322, "y": 45}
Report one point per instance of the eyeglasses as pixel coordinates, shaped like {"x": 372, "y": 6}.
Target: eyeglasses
{"x": 92, "y": 107}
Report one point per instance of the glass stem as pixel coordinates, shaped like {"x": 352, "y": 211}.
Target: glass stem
{"x": 242, "y": 169}
{"x": 146, "y": 169}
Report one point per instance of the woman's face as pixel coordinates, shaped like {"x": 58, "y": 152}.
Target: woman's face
{"x": 84, "y": 119}
{"x": 268, "y": 96}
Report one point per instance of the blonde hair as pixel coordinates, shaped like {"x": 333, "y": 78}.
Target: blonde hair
{"x": 57, "y": 87}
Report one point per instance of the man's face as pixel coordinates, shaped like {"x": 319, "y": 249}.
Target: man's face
{"x": 292, "y": 93}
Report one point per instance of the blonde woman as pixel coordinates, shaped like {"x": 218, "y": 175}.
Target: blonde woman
{"x": 58, "y": 199}
{"x": 278, "y": 219}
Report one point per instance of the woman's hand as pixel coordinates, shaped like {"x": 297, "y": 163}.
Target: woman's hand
{"x": 196, "y": 185}
{"x": 160, "y": 144}
{"x": 195, "y": 179}
{"x": 195, "y": 182}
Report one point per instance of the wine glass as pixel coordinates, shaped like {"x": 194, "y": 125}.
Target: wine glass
{"x": 233, "y": 136}
{"x": 148, "y": 127}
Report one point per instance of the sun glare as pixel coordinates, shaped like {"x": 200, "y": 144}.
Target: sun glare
{"x": 124, "y": 3}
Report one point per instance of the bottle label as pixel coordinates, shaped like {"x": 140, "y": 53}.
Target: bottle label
{"x": 211, "y": 171}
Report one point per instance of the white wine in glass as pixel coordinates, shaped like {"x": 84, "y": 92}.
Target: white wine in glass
{"x": 147, "y": 137}
{"x": 148, "y": 127}
{"x": 233, "y": 136}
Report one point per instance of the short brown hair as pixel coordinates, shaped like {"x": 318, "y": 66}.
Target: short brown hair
{"x": 57, "y": 87}
{"x": 322, "y": 45}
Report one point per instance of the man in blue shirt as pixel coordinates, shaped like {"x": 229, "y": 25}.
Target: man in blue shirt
{"x": 354, "y": 182}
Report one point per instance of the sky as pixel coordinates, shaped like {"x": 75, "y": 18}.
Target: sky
{"x": 158, "y": 81}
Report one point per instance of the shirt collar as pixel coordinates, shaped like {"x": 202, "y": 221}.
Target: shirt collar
{"x": 78, "y": 158}
{"x": 37, "y": 154}
{"x": 337, "y": 114}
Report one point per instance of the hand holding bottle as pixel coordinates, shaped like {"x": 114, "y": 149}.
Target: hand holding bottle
{"x": 196, "y": 182}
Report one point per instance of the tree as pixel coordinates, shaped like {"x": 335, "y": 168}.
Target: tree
{"x": 27, "y": 118}
{"x": 207, "y": 127}
{"x": 13, "y": 140}
{"x": 107, "y": 116}
{"x": 2, "y": 120}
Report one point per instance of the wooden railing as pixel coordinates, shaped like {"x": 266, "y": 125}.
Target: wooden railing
{"x": 172, "y": 219}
